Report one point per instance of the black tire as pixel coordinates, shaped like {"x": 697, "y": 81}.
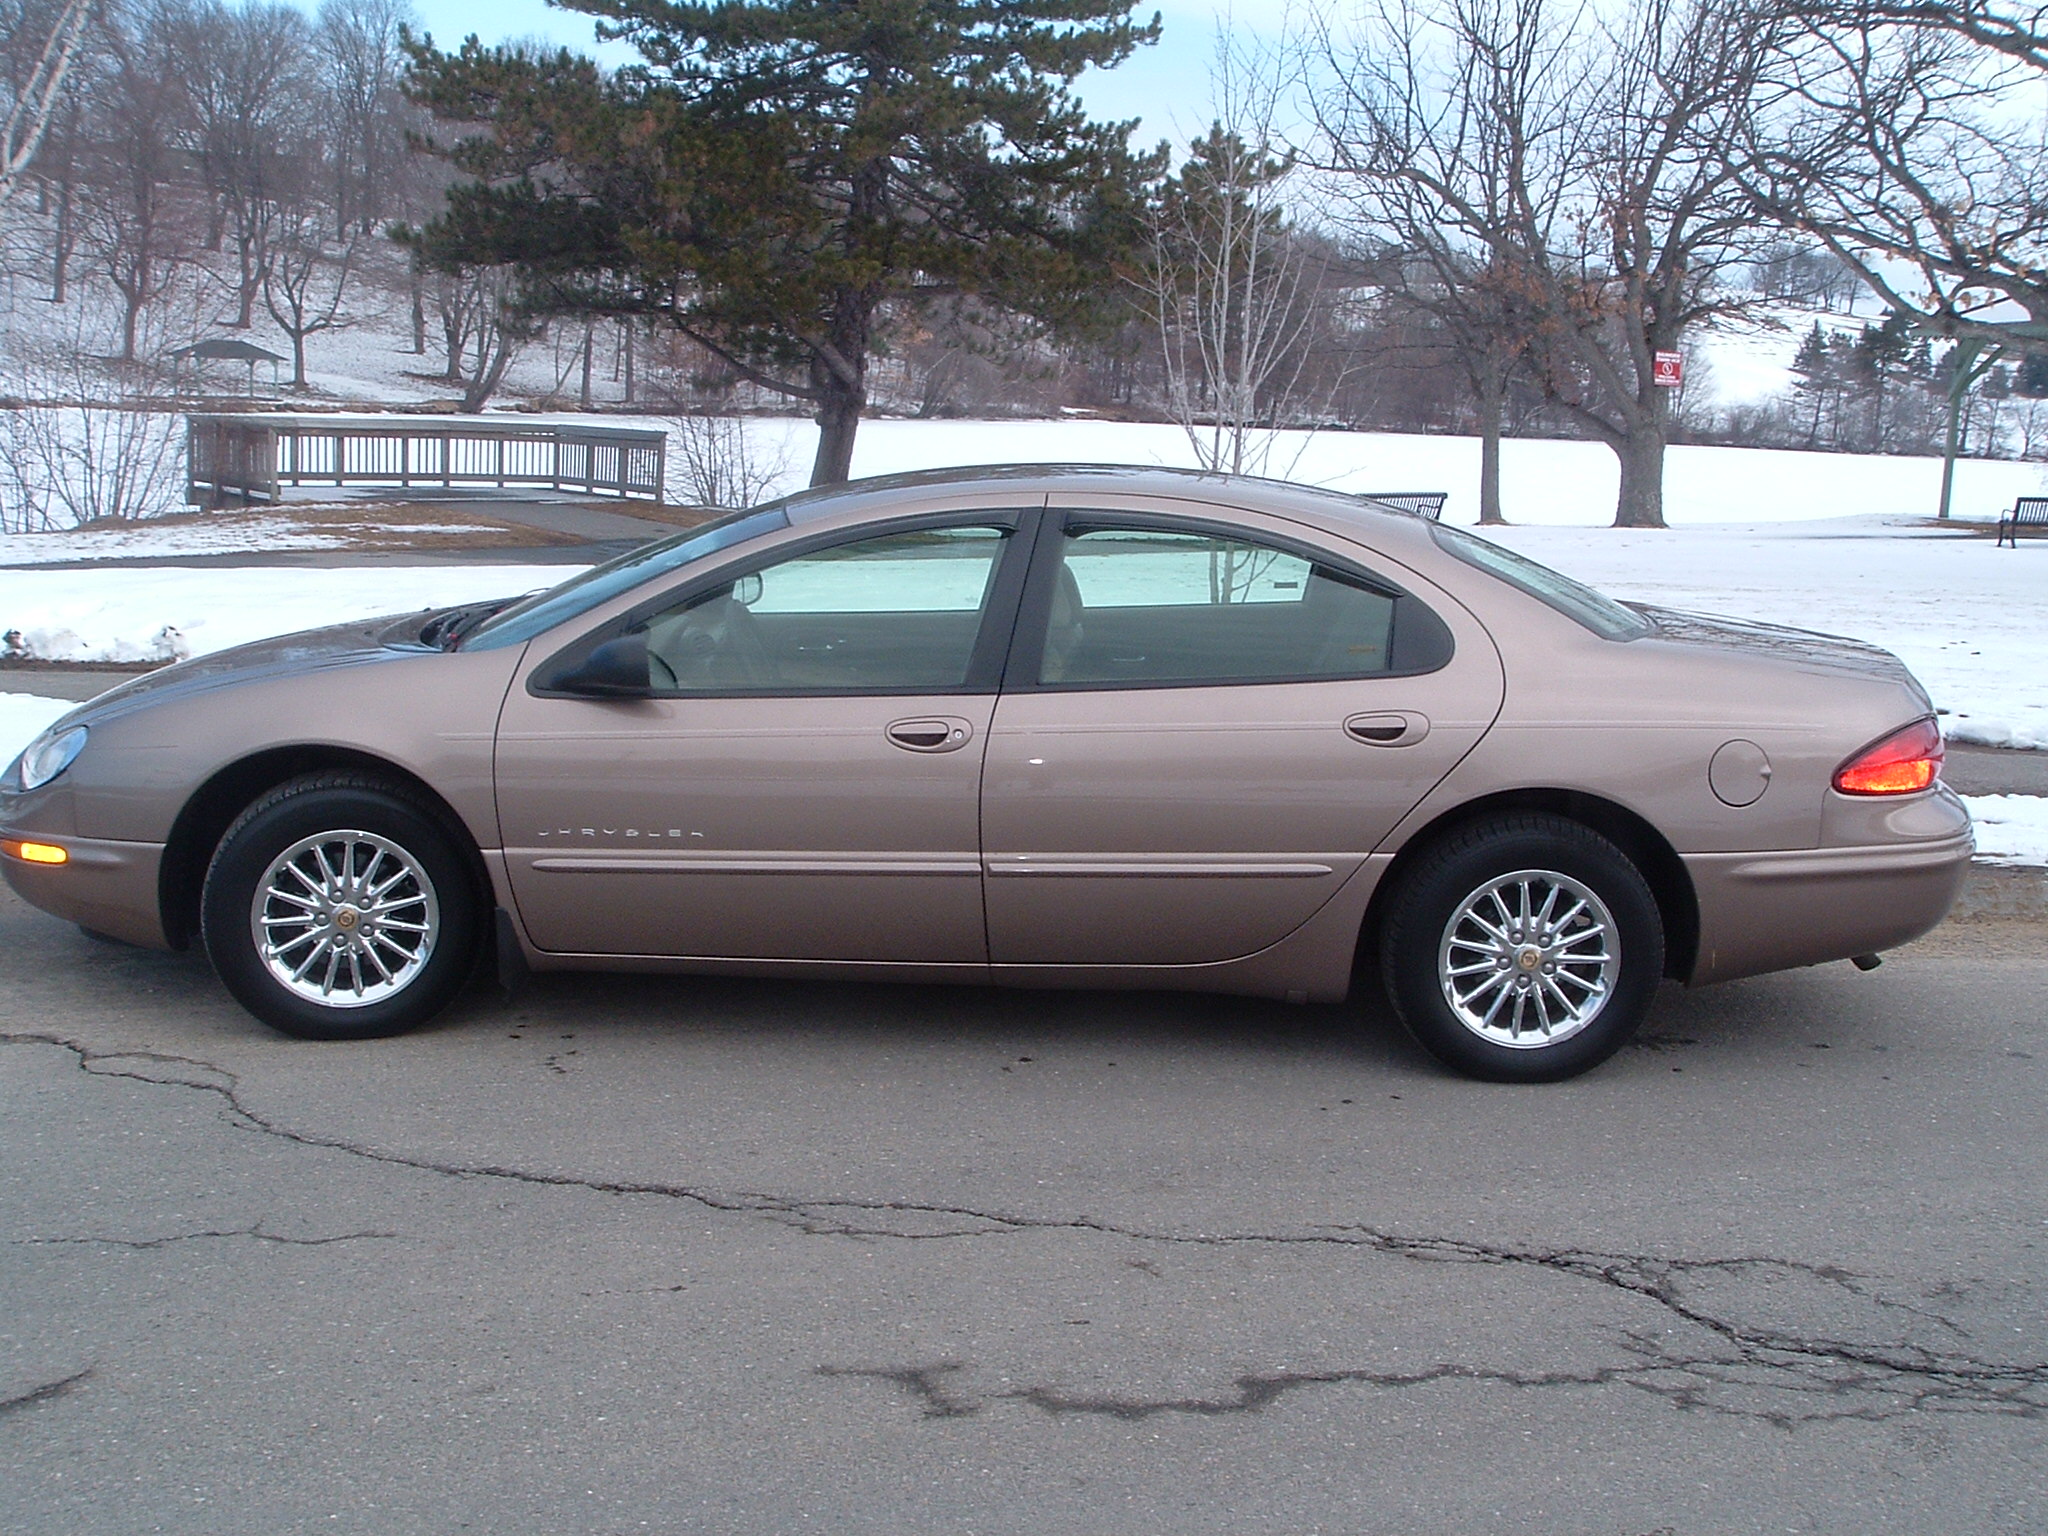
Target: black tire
{"x": 348, "y": 820}
{"x": 1486, "y": 1023}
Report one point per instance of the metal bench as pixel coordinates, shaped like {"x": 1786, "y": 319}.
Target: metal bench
{"x": 1429, "y": 504}
{"x": 2027, "y": 512}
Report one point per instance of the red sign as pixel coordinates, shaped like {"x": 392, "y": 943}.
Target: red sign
{"x": 1668, "y": 370}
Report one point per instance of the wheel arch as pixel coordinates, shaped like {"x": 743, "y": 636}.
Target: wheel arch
{"x": 213, "y": 807}
{"x": 1644, "y": 845}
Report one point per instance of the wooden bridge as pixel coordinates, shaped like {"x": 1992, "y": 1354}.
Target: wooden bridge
{"x": 249, "y": 458}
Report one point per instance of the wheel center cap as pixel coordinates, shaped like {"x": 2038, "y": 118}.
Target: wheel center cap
{"x": 346, "y": 919}
{"x": 1528, "y": 957}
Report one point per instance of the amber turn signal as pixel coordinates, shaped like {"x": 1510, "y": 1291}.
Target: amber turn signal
{"x": 37, "y": 853}
{"x": 1902, "y": 763}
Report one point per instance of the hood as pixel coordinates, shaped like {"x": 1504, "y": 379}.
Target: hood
{"x": 1801, "y": 648}
{"x": 360, "y": 643}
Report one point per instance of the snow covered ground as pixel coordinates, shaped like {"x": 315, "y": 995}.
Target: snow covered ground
{"x": 1545, "y": 482}
{"x": 172, "y": 539}
{"x": 158, "y": 614}
{"x": 2011, "y": 829}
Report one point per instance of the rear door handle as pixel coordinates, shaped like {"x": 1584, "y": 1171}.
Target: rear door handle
{"x": 935, "y": 733}
{"x": 1387, "y": 728}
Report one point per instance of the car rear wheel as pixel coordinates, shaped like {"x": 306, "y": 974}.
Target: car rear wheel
{"x": 1524, "y": 948}
{"x": 336, "y": 908}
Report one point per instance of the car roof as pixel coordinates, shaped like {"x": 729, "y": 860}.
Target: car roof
{"x": 1357, "y": 515}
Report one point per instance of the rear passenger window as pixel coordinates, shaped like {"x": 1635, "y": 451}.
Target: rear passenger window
{"x": 1143, "y": 605}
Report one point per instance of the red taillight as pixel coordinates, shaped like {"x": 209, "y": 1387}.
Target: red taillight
{"x": 1902, "y": 763}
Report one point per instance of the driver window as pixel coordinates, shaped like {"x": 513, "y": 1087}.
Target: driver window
{"x": 899, "y": 612}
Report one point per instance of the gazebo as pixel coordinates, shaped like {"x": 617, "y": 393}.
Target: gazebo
{"x": 227, "y": 349}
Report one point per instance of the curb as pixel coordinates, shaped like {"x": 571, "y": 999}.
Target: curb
{"x": 2003, "y": 891}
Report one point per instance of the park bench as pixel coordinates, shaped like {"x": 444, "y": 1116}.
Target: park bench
{"x": 2027, "y": 512}
{"x": 1429, "y": 504}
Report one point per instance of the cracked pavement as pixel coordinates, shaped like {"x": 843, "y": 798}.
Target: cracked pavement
{"x": 642, "y": 1254}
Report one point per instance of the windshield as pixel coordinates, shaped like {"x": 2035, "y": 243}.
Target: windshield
{"x": 1595, "y": 610}
{"x": 542, "y": 611}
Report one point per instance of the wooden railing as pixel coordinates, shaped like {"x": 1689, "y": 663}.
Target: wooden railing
{"x": 245, "y": 459}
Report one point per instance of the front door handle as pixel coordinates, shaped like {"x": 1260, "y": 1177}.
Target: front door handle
{"x": 934, "y": 733}
{"x": 1387, "y": 728}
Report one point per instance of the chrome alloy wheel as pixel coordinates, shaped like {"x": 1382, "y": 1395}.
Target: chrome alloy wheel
{"x": 1529, "y": 959}
{"x": 345, "y": 919}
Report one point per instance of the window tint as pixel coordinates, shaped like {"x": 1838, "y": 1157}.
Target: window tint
{"x": 601, "y": 583}
{"x": 1595, "y": 610}
{"x": 896, "y": 613}
{"x": 1133, "y": 605}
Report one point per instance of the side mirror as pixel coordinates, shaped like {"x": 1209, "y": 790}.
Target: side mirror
{"x": 615, "y": 670}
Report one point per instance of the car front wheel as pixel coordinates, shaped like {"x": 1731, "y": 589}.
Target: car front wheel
{"x": 336, "y": 908}
{"x": 1524, "y": 948}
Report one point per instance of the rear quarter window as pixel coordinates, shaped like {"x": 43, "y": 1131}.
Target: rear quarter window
{"x": 1578, "y": 602}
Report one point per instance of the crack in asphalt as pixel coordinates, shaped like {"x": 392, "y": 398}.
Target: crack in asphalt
{"x": 45, "y": 1392}
{"x": 1907, "y": 1376}
{"x": 925, "y": 1383}
{"x": 1687, "y": 1382}
{"x": 256, "y": 1232}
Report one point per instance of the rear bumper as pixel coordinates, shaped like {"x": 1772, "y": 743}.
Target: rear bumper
{"x": 1773, "y": 911}
{"x": 106, "y": 886}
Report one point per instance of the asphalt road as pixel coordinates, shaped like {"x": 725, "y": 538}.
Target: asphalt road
{"x": 670, "y": 1255}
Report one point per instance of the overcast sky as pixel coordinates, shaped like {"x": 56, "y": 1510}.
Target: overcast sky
{"x": 1167, "y": 85}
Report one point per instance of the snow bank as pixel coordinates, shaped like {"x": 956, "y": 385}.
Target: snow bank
{"x": 2011, "y": 829}
{"x": 144, "y": 615}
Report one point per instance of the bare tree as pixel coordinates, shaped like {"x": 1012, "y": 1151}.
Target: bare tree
{"x": 357, "y": 50}
{"x": 135, "y": 219}
{"x": 717, "y": 462}
{"x": 306, "y": 279}
{"x": 1451, "y": 132}
{"x": 1588, "y": 165}
{"x": 482, "y": 329}
{"x": 41, "y": 43}
{"x": 1228, "y": 278}
{"x": 250, "y": 97}
{"x": 1909, "y": 164}
{"x": 67, "y": 457}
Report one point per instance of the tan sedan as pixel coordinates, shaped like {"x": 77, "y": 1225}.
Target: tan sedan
{"x": 1036, "y": 727}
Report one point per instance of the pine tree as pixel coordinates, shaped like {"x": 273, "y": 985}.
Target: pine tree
{"x": 778, "y": 176}
{"x": 1816, "y": 378}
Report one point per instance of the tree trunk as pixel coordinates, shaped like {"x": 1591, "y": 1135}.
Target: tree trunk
{"x": 1492, "y": 407}
{"x": 131, "y": 313}
{"x": 60, "y": 255}
{"x": 583, "y": 390}
{"x": 419, "y": 316}
{"x": 627, "y": 363}
{"x": 490, "y": 370}
{"x": 251, "y": 280}
{"x": 1641, "y": 453}
{"x": 838, "y": 420}
{"x": 298, "y": 359}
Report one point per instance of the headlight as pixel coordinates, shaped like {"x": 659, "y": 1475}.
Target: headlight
{"x": 48, "y": 755}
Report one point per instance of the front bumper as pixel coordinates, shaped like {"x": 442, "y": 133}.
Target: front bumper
{"x": 1773, "y": 911}
{"x": 106, "y": 886}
